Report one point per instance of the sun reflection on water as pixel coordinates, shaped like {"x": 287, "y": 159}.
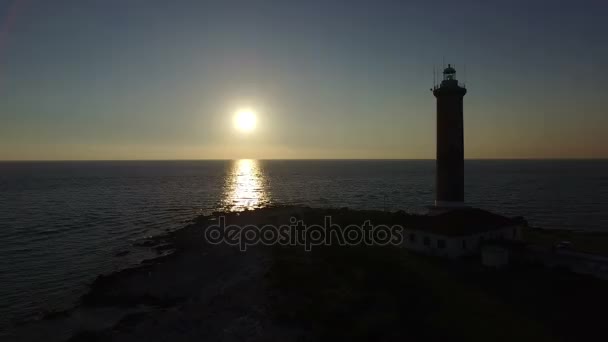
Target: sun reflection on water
{"x": 245, "y": 186}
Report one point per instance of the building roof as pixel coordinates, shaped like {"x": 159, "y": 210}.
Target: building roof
{"x": 462, "y": 221}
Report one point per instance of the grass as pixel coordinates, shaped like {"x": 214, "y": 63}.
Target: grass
{"x": 386, "y": 293}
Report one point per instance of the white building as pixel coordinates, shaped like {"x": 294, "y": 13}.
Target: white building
{"x": 458, "y": 232}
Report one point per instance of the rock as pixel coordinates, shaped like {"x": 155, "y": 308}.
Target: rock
{"x": 121, "y": 254}
{"x": 146, "y": 243}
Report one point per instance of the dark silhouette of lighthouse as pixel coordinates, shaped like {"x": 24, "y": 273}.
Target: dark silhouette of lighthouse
{"x": 450, "y": 143}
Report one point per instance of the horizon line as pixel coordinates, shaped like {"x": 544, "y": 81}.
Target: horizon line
{"x": 292, "y": 159}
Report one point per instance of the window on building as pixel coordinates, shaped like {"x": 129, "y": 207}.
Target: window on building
{"x": 427, "y": 241}
{"x": 412, "y": 237}
{"x": 441, "y": 243}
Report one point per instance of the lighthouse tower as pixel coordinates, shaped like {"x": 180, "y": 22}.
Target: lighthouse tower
{"x": 450, "y": 143}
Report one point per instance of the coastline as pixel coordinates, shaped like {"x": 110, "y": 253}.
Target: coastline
{"x": 188, "y": 272}
{"x": 195, "y": 290}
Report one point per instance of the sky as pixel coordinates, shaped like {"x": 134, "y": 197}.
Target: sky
{"x": 152, "y": 79}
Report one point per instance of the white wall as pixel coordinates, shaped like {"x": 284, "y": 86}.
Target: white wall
{"x": 454, "y": 245}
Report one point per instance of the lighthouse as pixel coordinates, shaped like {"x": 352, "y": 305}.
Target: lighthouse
{"x": 449, "y": 181}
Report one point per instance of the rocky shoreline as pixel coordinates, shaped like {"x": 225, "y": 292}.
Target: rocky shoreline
{"x": 196, "y": 291}
{"x": 191, "y": 288}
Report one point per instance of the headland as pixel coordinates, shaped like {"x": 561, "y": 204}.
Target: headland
{"x": 196, "y": 290}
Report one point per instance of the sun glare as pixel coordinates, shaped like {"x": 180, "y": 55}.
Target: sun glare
{"x": 245, "y": 120}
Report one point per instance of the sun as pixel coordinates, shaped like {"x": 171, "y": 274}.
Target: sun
{"x": 245, "y": 120}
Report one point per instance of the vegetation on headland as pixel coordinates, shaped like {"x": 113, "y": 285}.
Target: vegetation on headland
{"x": 386, "y": 293}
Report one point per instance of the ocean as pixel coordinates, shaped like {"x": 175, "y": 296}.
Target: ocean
{"x": 62, "y": 223}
